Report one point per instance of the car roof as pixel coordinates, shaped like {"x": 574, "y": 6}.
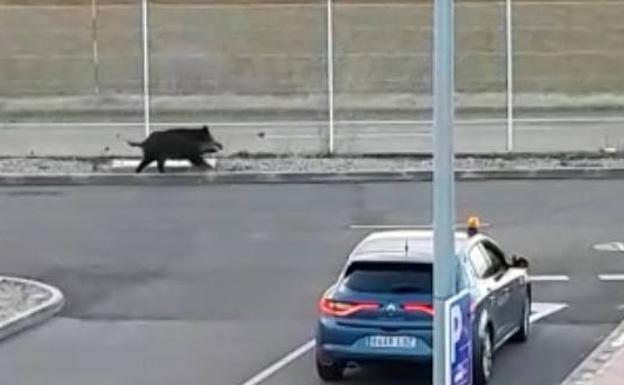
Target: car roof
{"x": 414, "y": 246}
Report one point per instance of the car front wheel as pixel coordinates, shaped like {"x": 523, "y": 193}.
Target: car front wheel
{"x": 525, "y": 323}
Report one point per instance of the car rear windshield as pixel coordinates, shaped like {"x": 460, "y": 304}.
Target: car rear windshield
{"x": 398, "y": 278}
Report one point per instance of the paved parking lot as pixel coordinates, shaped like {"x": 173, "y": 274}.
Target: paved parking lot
{"x": 216, "y": 284}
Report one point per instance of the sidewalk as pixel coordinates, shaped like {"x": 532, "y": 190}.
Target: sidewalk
{"x": 605, "y": 365}
{"x": 613, "y": 373}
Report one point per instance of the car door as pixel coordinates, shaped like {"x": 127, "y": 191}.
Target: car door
{"x": 516, "y": 279}
{"x": 505, "y": 283}
{"x": 486, "y": 295}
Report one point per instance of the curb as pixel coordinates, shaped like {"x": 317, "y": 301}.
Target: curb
{"x": 599, "y": 360}
{"x": 34, "y": 316}
{"x": 191, "y": 178}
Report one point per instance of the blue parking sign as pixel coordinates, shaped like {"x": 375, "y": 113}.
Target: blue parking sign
{"x": 459, "y": 339}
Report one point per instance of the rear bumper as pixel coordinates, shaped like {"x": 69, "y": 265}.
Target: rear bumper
{"x": 336, "y": 342}
{"x": 350, "y": 353}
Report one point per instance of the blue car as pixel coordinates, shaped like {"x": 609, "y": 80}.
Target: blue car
{"x": 381, "y": 309}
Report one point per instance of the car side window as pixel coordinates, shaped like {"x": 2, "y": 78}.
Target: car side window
{"x": 479, "y": 261}
{"x": 496, "y": 257}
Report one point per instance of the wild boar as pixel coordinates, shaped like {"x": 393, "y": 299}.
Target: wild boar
{"x": 177, "y": 143}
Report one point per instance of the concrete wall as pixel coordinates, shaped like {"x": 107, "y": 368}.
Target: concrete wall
{"x": 220, "y": 50}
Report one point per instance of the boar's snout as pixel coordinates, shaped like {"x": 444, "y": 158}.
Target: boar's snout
{"x": 212, "y": 147}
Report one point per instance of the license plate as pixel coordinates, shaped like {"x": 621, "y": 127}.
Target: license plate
{"x": 392, "y": 342}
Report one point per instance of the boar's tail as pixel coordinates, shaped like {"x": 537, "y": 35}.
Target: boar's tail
{"x": 135, "y": 144}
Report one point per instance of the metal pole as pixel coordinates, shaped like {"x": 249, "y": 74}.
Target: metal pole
{"x": 146, "y": 66}
{"x": 330, "y": 72}
{"x": 510, "y": 80}
{"x": 443, "y": 187}
{"x": 96, "y": 55}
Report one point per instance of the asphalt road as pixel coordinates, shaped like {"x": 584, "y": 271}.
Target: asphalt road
{"x": 537, "y": 134}
{"x": 213, "y": 284}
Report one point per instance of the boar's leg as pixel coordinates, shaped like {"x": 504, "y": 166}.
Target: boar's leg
{"x": 161, "y": 165}
{"x": 144, "y": 163}
{"x": 199, "y": 162}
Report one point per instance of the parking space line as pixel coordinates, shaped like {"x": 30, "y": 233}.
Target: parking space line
{"x": 549, "y": 278}
{"x": 283, "y": 362}
{"x": 542, "y": 310}
{"x": 611, "y": 277}
{"x": 389, "y": 227}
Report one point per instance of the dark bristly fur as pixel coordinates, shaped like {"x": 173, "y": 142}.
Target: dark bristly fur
{"x": 177, "y": 143}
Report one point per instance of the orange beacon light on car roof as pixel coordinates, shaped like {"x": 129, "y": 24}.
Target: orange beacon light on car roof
{"x": 474, "y": 223}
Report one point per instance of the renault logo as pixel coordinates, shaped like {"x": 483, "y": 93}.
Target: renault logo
{"x": 391, "y": 308}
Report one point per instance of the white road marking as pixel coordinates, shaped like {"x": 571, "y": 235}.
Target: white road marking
{"x": 387, "y": 227}
{"x": 355, "y": 136}
{"x": 549, "y": 278}
{"x": 283, "y": 362}
{"x": 132, "y": 163}
{"x": 610, "y": 246}
{"x": 611, "y": 277}
{"x": 542, "y": 310}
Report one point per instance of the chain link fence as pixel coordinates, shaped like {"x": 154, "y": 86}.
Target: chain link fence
{"x": 71, "y": 74}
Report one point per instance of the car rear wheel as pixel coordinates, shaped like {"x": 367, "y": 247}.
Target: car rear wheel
{"x": 483, "y": 359}
{"x": 328, "y": 370}
{"x": 525, "y": 323}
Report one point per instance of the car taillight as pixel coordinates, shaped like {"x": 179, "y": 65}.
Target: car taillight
{"x": 419, "y": 308}
{"x": 335, "y": 308}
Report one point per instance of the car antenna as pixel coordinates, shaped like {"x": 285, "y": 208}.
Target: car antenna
{"x": 406, "y": 247}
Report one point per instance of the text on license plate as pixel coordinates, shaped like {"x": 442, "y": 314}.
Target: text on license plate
{"x": 400, "y": 342}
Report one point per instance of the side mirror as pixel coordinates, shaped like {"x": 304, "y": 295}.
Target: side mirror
{"x": 520, "y": 262}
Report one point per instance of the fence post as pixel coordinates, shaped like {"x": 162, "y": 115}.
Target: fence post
{"x": 96, "y": 54}
{"x": 510, "y": 79}
{"x": 146, "y": 66}
{"x": 330, "y": 72}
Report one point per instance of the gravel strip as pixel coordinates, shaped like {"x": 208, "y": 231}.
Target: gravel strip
{"x": 37, "y": 166}
{"x": 44, "y": 166}
{"x": 397, "y": 164}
